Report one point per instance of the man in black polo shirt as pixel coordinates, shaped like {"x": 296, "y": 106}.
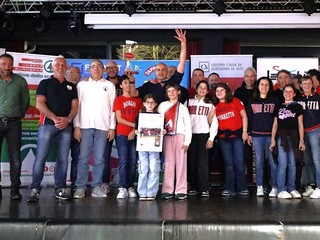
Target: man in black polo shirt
{"x": 157, "y": 87}
{"x": 57, "y": 102}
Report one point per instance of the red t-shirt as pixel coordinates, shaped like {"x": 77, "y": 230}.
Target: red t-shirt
{"x": 228, "y": 114}
{"x": 129, "y": 107}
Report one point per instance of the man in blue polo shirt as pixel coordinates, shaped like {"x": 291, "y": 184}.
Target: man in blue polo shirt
{"x": 57, "y": 102}
{"x": 14, "y": 102}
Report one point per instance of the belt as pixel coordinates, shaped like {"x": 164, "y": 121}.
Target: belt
{"x": 9, "y": 119}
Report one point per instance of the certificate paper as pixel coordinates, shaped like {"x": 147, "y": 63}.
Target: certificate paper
{"x": 150, "y": 126}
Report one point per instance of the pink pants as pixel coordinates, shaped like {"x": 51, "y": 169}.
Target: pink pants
{"x": 175, "y": 168}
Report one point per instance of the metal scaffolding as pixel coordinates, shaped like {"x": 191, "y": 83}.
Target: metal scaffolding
{"x": 159, "y": 6}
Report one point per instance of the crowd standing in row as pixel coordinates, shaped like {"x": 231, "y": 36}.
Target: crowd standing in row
{"x": 281, "y": 126}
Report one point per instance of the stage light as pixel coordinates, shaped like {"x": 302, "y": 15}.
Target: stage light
{"x": 74, "y": 24}
{"x": 219, "y": 7}
{"x": 42, "y": 26}
{"x": 7, "y": 24}
{"x": 309, "y": 6}
{"x": 46, "y": 11}
{"x": 130, "y": 8}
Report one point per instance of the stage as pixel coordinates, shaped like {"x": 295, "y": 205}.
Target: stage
{"x": 214, "y": 218}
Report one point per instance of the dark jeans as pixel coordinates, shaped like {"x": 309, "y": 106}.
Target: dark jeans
{"x": 198, "y": 163}
{"x": 12, "y": 131}
{"x": 75, "y": 152}
{"x": 107, "y": 156}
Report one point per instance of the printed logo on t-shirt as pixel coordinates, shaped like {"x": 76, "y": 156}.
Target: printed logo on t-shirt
{"x": 69, "y": 87}
{"x": 225, "y": 116}
{"x": 286, "y": 113}
{"x": 129, "y": 104}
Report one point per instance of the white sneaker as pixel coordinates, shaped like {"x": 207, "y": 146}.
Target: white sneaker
{"x": 79, "y": 193}
{"x": 132, "y": 193}
{"x": 260, "y": 192}
{"x": 105, "y": 187}
{"x": 295, "y": 194}
{"x": 315, "y": 194}
{"x": 308, "y": 191}
{"x": 123, "y": 193}
{"x": 98, "y": 193}
{"x": 284, "y": 195}
{"x": 273, "y": 193}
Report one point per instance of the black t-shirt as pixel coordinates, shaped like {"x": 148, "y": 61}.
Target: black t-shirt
{"x": 58, "y": 95}
{"x": 287, "y": 115}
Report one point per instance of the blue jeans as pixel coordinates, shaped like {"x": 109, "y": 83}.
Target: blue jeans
{"x": 48, "y": 134}
{"x": 149, "y": 168}
{"x": 233, "y": 154}
{"x": 91, "y": 139}
{"x": 286, "y": 174}
{"x": 127, "y": 160}
{"x": 312, "y": 156}
{"x": 261, "y": 147}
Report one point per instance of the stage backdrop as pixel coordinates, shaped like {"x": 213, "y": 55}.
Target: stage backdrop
{"x": 229, "y": 67}
{"x": 271, "y": 66}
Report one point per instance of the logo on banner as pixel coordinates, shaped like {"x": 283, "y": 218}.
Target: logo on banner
{"x": 48, "y": 66}
{"x": 204, "y": 66}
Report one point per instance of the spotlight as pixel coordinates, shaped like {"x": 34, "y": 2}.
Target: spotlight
{"x": 7, "y": 24}
{"x": 74, "y": 24}
{"x": 42, "y": 26}
{"x": 130, "y": 8}
{"x": 46, "y": 11}
{"x": 309, "y": 6}
{"x": 219, "y": 7}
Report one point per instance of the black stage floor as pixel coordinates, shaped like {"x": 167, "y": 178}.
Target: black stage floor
{"x": 195, "y": 218}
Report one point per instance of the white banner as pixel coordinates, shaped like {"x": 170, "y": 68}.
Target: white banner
{"x": 229, "y": 67}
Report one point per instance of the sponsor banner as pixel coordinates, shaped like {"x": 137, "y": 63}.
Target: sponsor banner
{"x": 229, "y": 67}
{"x": 271, "y": 66}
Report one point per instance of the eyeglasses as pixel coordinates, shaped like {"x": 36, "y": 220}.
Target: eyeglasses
{"x": 112, "y": 68}
{"x": 96, "y": 66}
{"x": 150, "y": 102}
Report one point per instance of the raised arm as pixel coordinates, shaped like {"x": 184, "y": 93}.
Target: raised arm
{"x": 181, "y": 36}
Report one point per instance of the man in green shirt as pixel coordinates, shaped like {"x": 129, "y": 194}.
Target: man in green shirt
{"x": 14, "y": 102}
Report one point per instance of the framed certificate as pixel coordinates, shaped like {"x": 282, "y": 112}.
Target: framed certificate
{"x": 150, "y": 127}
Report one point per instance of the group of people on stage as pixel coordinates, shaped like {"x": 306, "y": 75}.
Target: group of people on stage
{"x": 280, "y": 124}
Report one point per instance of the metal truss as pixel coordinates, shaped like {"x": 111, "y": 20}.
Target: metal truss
{"x": 155, "y": 6}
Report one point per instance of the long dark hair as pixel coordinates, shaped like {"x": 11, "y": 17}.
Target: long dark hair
{"x": 206, "y": 97}
{"x": 229, "y": 95}
{"x": 256, "y": 91}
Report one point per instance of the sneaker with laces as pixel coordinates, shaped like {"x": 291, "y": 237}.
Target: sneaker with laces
{"x": 167, "y": 196}
{"x": 151, "y": 198}
{"x": 123, "y": 193}
{"x": 34, "y": 195}
{"x": 284, "y": 195}
{"x": 143, "y": 198}
{"x": 98, "y": 193}
{"x": 132, "y": 193}
{"x": 295, "y": 194}
{"x": 226, "y": 193}
{"x": 205, "y": 194}
{"x": 315, "y": 194}
{"x": 62, "y": 194}
{"x": 260, "y": 191}
{"x": 181, "y": 196}
{"x": 273, "y": 193}
{"x": 79, "y": 193}
{"x": 192, "y": 193}
{"x": 308, "y": 191}
{"x": 105, "y": 187}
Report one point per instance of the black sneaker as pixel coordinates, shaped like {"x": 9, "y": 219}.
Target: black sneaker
{"x": 62, "y": 194}
{"x": 34, "y": 195}
{"x": 205, "y": 194}
{"x": 167, "y": 196}
{"x": 181, "y": 196}
{"x": 192, "y": 193}
{"x": 15, "y": 194}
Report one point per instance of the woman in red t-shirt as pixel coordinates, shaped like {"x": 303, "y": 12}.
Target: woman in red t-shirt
{"x": 233, "y": 126}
